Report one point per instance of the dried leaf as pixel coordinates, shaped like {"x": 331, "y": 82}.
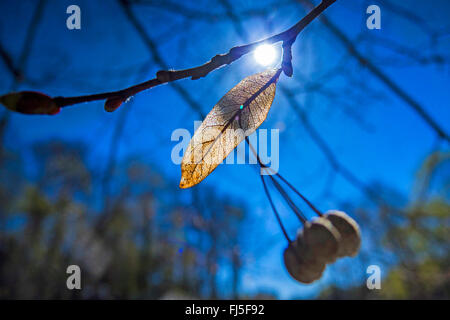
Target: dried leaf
{"x": 238, "y": 114}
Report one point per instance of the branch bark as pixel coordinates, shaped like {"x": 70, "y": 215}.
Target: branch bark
{"x": 166, "y": 76}
{"x": 315, "y": 136}
{"x": 383, "y": 77}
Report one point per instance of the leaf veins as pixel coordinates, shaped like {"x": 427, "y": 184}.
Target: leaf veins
{"x": 237, "y": 114}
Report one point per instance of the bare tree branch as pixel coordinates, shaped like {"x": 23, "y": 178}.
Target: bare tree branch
{"x": 323, "y": 146}
{"x": 410, "y": 16}
{"x": 378, "y": 73}
{"x": 16, "y": 73}
{"x": 157, "y": 58}
{"x": 17, "y": 69}
{"x": 165, "y": 76}
{"x": 317, "y": 139}
{"x": 31, "y": 35}
{"x": 207, "y": 15}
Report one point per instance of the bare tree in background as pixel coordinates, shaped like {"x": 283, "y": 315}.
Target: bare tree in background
{"x": 203, "y": 217}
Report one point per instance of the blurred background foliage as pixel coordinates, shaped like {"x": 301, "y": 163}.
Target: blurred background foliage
{"x": 99, "y": 190}
{"x": 417, "y": 235}
{"x": 148, "y": 244}
{"x": 145, "y": 243}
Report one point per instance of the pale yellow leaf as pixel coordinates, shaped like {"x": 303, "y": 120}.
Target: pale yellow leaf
{"x": 238, "y": 114}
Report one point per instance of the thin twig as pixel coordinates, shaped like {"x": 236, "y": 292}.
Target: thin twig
{"x": 166, "y": 76}
{"x": 287, "y": 68}
{"x": 323, "y": 146}
{"x": 31, "y": 35}
{"x": 18, "y": 70}
{"x": 207, "y": 14}
{"x": 6, "y": 57}
{"x": 152, "y": 46}
{"x": 383, "y": 77}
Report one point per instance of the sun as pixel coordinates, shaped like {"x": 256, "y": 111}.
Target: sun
{"x": 265, "y": 54}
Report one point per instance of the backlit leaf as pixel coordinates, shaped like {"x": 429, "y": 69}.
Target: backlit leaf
{"x": 238, "y": 114}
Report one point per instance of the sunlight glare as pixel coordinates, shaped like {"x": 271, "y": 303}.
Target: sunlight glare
{"x": 265, "y": 54}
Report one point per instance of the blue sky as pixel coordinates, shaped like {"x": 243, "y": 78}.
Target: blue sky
{"x": 107, "y": 54}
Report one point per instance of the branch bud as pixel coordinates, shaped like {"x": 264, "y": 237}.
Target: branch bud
{"x": 286, "y": 64}
{"x": 30, "y": 102}
{"x": 112, "y": 104}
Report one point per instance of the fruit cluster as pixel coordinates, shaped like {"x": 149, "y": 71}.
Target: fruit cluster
{"x": 322, "y": 241}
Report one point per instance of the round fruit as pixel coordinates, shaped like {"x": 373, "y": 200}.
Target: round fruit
{"x": 322, "y": 239}
{"x": 299, "y": 267}
{"x": 349, "y": 231}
